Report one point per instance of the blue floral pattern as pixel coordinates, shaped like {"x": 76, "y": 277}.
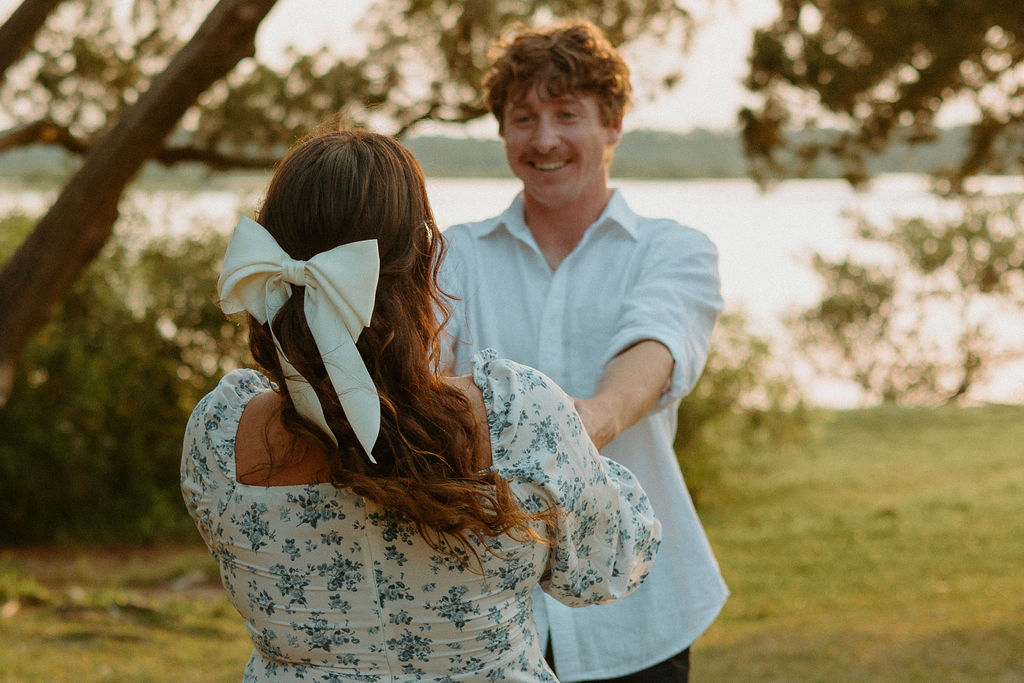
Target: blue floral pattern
{"x": 334, "y": 588}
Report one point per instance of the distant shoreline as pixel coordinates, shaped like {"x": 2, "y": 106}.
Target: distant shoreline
{"x": 642, "y": 154}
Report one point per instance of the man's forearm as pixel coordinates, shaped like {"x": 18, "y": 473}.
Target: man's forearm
{"x": 628, "y": 388}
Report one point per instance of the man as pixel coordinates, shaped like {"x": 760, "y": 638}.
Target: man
{"x": 616, "y": 308}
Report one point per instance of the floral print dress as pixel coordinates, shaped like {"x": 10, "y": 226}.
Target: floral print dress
{"x": 333, "y": 587}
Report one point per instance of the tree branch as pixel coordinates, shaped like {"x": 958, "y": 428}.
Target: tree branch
{"x": 20, "y": 29}
{"x": 219, "y": 161}
{"x": 47, "y": 132}
{"x": 43, "y": 131}
{"x": 466, "y": 114}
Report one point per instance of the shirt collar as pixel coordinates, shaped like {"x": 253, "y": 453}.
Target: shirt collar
{"x": 616, "y": 214}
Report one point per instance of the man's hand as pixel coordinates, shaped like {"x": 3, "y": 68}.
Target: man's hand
{"x": 628, "y": 388}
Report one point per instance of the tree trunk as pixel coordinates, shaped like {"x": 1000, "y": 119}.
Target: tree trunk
{"x": 20, "y": 29}
{"x": 76, "y": 227}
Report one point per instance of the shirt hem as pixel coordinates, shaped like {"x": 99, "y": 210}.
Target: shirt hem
{"x": 667, "y": 653}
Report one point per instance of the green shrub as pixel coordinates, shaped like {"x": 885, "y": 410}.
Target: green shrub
{"x": 741, "y": 409}
{"x": 91, "y": 436}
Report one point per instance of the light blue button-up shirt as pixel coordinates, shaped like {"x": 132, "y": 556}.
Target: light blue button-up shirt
{"x": 630, "y": 278}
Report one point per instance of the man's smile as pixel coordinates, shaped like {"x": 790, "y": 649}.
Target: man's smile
{"x": 549, "y": 166}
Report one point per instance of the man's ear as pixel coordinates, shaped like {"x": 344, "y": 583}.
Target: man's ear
{"x": 614, "y": 132}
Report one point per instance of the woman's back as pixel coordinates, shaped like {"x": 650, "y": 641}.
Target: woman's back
{"x": 331, "y": 580}
{"x": 331, "y": 584}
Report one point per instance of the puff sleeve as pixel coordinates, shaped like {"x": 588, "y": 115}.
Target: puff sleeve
{"x": 207, "y": 471}
{"x": 607, "y": 536}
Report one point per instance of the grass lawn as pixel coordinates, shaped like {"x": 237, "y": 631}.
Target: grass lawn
{"x": 117, "y": 615}
{"x": 888, "y": 547}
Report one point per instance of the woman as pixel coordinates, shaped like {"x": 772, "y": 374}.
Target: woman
{"x": 372, "y": 519}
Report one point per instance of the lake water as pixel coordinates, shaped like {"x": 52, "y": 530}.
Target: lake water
{"x": 765, "y": 239}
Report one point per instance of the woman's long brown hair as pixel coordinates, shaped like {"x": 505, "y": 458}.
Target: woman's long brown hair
{"x": 345, "y": 186}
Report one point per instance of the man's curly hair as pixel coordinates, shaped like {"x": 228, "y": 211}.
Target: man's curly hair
{"x": 574, "y": 57}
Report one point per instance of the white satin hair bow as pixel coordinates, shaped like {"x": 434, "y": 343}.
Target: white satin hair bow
{"x": 340, "y": 288}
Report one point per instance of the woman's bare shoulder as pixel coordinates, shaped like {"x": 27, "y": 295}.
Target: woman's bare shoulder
{"x": 266, "y": 454}
{"x": 468, "y": 388}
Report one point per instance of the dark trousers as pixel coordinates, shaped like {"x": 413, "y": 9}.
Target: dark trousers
{"x": 673, "y": 670}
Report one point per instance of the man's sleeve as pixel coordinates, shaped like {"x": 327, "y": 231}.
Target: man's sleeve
{"x": 676, "y": 301}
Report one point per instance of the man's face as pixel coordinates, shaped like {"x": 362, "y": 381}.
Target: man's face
{"x": 558, "y": 146}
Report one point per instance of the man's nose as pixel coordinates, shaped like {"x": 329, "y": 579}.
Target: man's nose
{"x": 545, "y": 136}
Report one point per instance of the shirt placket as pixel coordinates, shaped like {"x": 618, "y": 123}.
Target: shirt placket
{"x": 551, "y": 351}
